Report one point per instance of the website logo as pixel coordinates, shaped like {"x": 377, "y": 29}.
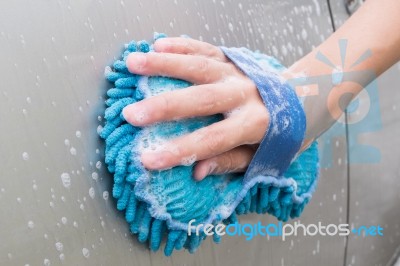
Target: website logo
{"x": 281, "y": 230}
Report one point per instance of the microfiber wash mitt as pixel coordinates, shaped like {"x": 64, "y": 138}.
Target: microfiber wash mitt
{"x": 160, "y": 204}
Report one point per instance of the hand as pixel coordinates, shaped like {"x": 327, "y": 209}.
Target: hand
{"x": 219, "y": 87}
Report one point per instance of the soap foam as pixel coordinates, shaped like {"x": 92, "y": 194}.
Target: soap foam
{"x": 189, "y": 160}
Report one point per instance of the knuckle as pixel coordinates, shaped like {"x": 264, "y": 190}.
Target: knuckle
{"x": 164, "y": 62}
{"x": 164, "y": 59}
{"x": 212, "y": 51}
{"x": 260, "y": 121}
{"x": 208, "y": 99}
{"x": 230, "y": 70}
{"x": 188, "y": 46}
{"x": 233, "y": 69}
{"x": 250, "y": 84}
{"x": 226, "y": 163}
{"x": 250, "y": 87}
{"x": 175, "y": 152}
{"x": 165, "y": 104}
{"x": 203, "y": 65}
{"x": 263, "y": 117}
{"x": 150, "y": 58}
{"x": 213, "y": 140}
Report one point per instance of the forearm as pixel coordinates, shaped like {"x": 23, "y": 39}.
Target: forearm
{"x": 375, "y": 27}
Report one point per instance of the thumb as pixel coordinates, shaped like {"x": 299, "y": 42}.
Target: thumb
{"x": 233, "y": 161}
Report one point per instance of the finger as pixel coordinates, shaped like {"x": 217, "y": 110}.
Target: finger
{"x": 199, "y": 145}
{"x": 233, "y": 161}
{"x": 201, "y": 100}
{"x": 195, "y": 69}
{"x": 181, "y": 45}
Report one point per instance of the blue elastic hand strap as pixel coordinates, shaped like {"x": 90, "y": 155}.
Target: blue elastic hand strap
{"x": 287, "y": 123}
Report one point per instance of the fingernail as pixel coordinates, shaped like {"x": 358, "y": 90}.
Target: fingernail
{"x": 212, "y": 167}
{"x": 162, "y": 45}
{"x": 209, "y": 170}
{"x": 136, "y": 61}
{"x": 135, "y": 114}
{"x": 153, "y": 160}
{"x": 201, "y": 173}
{"x": 125, "y": 113}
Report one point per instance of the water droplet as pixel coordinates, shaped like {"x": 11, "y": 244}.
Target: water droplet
{"x": 95, "y": 176}
{"x": 284, "y": 50}
{"x": 64, "y": 220}
{"x": 22, "y": 39}
{"x": 99, "y": 129}
{"x": 91, "y": 192}
{"x": 85, "y": 252}
{"x": 304, "y": 34}
{"x": 72, "y": 151}
{"x": 31, "y": 224}
{"x": 98, "y": 165}
{"x": 105, "y": 195}
{"x": 230, "y": 27}
{"x": 25, "y": 156}
{"x": 66, "y": 180}
{"x": 46, "y": 262}
{"x": 62, "y": 256}
{"x": 59, "y": 246}
{"x": 78, "y": 134}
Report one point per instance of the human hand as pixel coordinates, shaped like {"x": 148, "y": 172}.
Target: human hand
{"x": 218, "y": 87}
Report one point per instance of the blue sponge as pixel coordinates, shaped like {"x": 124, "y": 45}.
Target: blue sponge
{"x": 159, "y": 204}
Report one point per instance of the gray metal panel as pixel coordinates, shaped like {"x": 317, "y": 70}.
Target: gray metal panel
{"x": 54, "y": 191}
{"x": 374, "y": 187}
